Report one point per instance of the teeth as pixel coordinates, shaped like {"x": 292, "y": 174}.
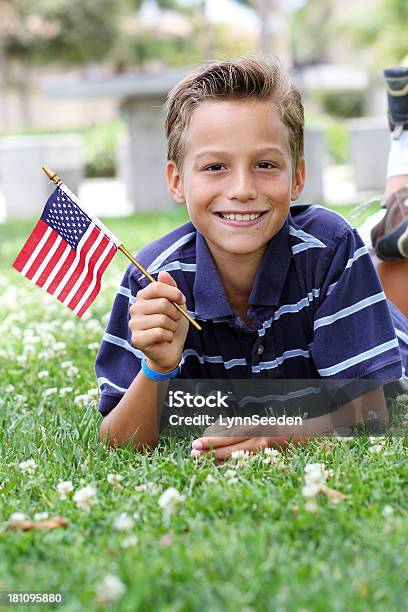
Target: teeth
{"x": 238, "y": 217}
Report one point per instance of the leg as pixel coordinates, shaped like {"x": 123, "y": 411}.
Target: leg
{"x": 390, "y": 235}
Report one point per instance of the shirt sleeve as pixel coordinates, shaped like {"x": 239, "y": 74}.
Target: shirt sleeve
{"x": 353, "y": 333}
{"x": 118, "y": 362}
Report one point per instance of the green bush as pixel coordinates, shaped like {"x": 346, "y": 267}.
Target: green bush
{"x": 345, "y": 105}
{"x": 100, "y": 143}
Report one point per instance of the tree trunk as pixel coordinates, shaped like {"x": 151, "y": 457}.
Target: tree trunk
{"x": 206, "y": 34}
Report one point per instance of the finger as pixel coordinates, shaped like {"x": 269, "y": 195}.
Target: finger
{"x": 158, "y": 306}
{"x": 150, "y": 337}
{"x": 159, "y": 289}
{"x": 156, "y": 320}
{"x": 252, "y": 445}
{"x": 215, "y": 442}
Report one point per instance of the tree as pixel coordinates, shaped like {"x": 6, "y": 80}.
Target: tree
{"x": 72, "y": 31}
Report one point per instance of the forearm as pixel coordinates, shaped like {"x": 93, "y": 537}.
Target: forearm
{"x": 347, "y": 415}
{"x": 137, "y": 414}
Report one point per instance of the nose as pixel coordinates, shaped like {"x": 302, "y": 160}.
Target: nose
{"x": 242, "y": 186}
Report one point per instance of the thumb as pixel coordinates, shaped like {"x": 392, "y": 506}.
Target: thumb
{"x": 164, "y": 277}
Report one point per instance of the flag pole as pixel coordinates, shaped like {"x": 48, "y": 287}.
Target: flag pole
{"x": 53, "y": 176}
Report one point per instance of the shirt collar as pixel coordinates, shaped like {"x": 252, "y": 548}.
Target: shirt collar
{"x": 209, "y": 293}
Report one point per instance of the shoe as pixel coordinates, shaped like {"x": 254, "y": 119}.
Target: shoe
{"x": 397, "y": 93}
{"x": 390, "y": 235}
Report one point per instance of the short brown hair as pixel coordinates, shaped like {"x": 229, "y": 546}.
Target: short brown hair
{"x": 240, "y": 78}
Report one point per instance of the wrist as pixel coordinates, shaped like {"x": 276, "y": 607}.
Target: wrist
{"x": 157, "y": 368}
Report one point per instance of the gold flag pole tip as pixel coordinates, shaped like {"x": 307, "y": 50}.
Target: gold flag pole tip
{"x": 53, "y": 176}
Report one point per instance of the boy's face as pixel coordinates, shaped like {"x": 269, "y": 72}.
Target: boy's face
{"x": 237, "y": 161}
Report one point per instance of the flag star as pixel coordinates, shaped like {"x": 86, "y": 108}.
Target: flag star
{"x": 63, "y": 199}
{"x": 58, "y": 198}
{"x": 54, "y": 204}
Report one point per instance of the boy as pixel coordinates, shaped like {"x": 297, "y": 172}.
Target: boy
{"x": 281, "y": 291}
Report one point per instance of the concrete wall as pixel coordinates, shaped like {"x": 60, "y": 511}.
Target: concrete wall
{"x": 24, "y": 185}
{"x": 370, "y": 145}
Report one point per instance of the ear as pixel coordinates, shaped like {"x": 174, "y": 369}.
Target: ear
{"x": 298, "y": 180}
{"x": 174, "y": 182}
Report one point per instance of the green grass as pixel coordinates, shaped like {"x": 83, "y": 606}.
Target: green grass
{"x": 251, "y": 544}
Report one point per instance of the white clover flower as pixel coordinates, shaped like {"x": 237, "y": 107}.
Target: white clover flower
{"x": 85, "y": 498}
{"x": 315, "y": 479}
{"x": 130, "y": 541}
{"x": 123, "y": 522}
{"x": 170, "y": 499}
{"x": 29, "y": 350}
{"x": 271, "y": 452}
{"x": 41, "y": 516}
{"x": 82, "y": 400}
{"x": 18, "y": 516}
{"x": 9, "y": 389}
{"x": 65, "y": 390}
{"x": 21, "y": 358}
{"x": 72, "y": 371}
{"x": 240, "y": 456}
{"x": 230, "y": 474}
{"x": 375, "y": 448}
{"x": 110, "y": 589}
{"x": 63, "y": 488}
{"x": 114, "y": 479}
{"x": 93, "y": 346}
{"x": 310, "y": 490}
{"x": 315, "y": 473}
{"x": 311, "y": 506}
{"x": 372, "y": 416}
{"x": 59, "y": 347}
{"x": 49, "y": 392}
{"x": 210, "y": 478}
{"x": 151, "y": 487}
{"x": 28, "y": 466}
{"x": 388, "y": 511}
{"x": 66, "y": 364}
{"x": 93, "y": 393}
{"x": 68, "y": 326}
{"x": 43, "y": 374}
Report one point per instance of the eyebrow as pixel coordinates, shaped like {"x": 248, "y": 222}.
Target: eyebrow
{"x": 273, "y": 149}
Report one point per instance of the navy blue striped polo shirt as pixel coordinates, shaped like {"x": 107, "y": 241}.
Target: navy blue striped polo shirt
{"x": 316, "y": 301}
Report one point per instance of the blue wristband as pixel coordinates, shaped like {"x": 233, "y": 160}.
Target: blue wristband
{"x": 153, "y": 375}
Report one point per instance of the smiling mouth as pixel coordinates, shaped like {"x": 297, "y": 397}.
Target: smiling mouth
{"x": 241, "y": 219}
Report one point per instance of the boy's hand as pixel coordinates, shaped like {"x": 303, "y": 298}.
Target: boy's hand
{"x": 158, "y": 328}
{"x": 254, "y": 439}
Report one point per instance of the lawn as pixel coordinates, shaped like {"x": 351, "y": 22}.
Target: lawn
{"x": 247, "y": 535}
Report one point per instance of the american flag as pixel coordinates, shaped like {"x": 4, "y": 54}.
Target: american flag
{"x": 67, "y": 253}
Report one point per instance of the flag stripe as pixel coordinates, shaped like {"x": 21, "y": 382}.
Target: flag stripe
{"x": 40, "y": 263}
{"x": 80, "y": 254}
{"x": 31, "y": 268}
{"x": 87, "y": 274}
{"x": 31, "y": 262}
{"x": 54, "y": 265}
{"x": 95, "y": 285}
{"x": 62, "y": 269}
{"x": 91, "y": 256}
{"x": 30, "y": 245}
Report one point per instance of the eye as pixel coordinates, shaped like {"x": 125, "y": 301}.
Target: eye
{"x": 216, "y": 166}
{"x": 268, "y": 163}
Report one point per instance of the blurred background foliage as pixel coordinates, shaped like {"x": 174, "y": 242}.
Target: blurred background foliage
{"x": 82, "y": 34}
